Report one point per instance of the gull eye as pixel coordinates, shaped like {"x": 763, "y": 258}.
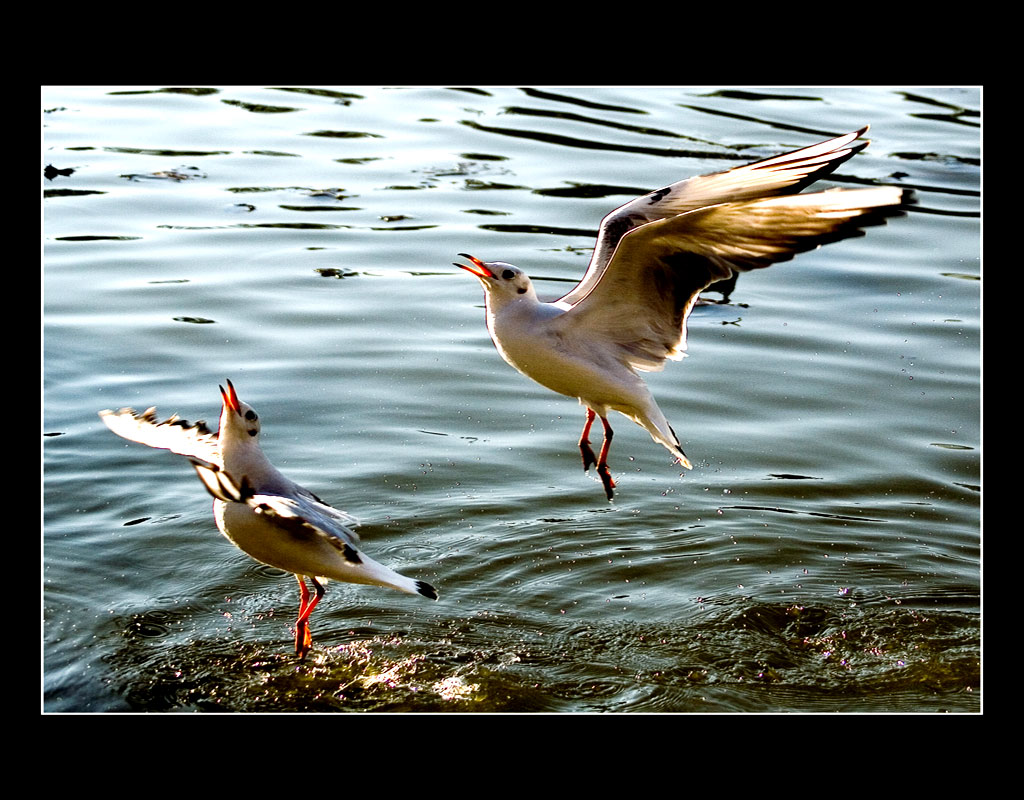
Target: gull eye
{"x": 508, "y": 274}
{"x": 250, "y": 415}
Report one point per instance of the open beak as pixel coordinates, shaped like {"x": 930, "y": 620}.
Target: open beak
{"x": 229, "y": 398}
{"x": 479, "y": 268}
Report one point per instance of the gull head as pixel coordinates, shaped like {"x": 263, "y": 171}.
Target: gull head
{"x": 501, "y": 281}
{"x": 238, "y": 420}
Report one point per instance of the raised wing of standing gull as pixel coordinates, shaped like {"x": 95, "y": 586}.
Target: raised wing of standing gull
{"x": 653, "y": 257}
{"x": 266, "y": 515}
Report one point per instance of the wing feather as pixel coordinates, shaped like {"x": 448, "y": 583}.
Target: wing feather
{"x": 192, "y": 439}
{"x": 304, "y": 520}
{"x": 659, "y": 269}
{"x": 783, "y": 174}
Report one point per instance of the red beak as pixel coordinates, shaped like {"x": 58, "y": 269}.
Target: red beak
{"x": 481, "y": 270}
{"x": 229, "y": 398}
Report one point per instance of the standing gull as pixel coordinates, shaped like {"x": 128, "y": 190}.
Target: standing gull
{"x": 653, "y": 257}
{"x": 268, "y": 516}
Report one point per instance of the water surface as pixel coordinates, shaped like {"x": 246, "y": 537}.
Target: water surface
{"x": 823, "y": 555}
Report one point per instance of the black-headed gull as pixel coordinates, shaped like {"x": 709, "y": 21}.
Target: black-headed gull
{"x": 653, "y": 257}
{"x": 266, "y": 515}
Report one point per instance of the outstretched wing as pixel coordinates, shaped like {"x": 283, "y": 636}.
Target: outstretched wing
{"x": 191, "y": 439}
{"x": 783, "y": 174}
{"x": 658, "y": 270}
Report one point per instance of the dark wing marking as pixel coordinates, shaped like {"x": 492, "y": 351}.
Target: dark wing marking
{"x": 174, "y": 434}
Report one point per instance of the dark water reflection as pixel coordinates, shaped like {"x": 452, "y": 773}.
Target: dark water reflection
{"x": 739, "y": 657}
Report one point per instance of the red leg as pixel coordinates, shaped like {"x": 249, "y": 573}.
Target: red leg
{"x": 588, "y": 454}
{"x": 303, "y": 637}
{"x": 301, "y": 628}
{"x": 602, "y": 462}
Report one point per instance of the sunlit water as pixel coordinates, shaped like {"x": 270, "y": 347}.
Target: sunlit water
{"x": 823, "y": 555}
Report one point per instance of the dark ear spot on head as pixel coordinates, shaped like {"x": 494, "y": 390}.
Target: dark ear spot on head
{"x": 522, "y": 290}
{"x": 251, "y": 433}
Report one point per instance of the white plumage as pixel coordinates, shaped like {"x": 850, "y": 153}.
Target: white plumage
{"x": 653, "y": 257}
{"x": 266, "y": 515}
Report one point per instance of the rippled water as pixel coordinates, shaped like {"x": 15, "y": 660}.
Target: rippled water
{"x": 823, "y": 555}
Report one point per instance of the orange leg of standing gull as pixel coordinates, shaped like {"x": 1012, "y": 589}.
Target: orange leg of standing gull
{"x": 303, "y": 637}
{"x": 588, "y": 453}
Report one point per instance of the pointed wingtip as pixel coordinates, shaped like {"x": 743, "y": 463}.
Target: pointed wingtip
{"x": 426, "y": 590}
